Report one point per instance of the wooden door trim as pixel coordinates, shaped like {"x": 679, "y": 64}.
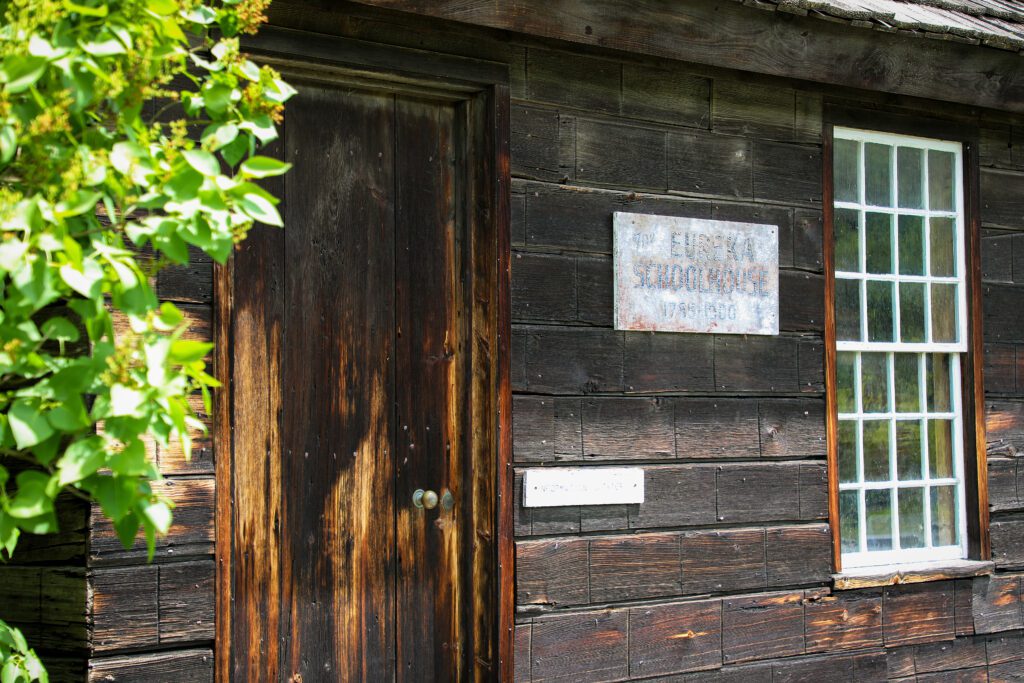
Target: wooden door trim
{"x": 485, "y": 85}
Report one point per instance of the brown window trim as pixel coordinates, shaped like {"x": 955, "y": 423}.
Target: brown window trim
{"x": 973, "y": 387}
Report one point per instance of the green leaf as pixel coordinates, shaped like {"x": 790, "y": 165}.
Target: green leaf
{"x": 158, "y": 514}
{"x": 60, "y": 329}
{"x": 234, "y": 152}
{"x": 27, "y": 423}
{"x": 87, "y": 280}
{"x": 20, "y": 72}
{"x": 219, "y": 134}
{"x": 81, "y": 202}
{"x": 126, "y": 528}
{"x": 202, "y": 161}
{"x": 260, "y": 209}
{"x": 162, "y": 7}
{"x": 264, "y": 167}
{"x": 11, "y": 253}
{"x": 187, "y": 351}
{"x": 86, "y": 10}
{"x": 116, "y": 495}
{"x": 218, "y": 98}
{"x": 131, "y": 460}
{"x": 125, "y": 401}
{"x": 262, "y": 127}
{"x": 81, "y": 459}
{"x": 33, "y": 499}
{"x": 8, "y": 145}
{"x": 70, "y": 416}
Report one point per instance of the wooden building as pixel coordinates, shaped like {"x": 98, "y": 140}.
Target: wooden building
{"x": 842, "y": 500}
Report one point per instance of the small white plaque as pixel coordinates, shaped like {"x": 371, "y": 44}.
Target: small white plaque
{"x": 562, "y": 486}
{"x": 695, "y": 275}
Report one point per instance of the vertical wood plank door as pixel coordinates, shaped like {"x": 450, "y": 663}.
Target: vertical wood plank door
{"x": 364, "y": 366}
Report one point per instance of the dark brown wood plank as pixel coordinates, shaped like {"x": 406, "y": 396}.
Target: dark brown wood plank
{"x": 758, "y": 493}
{"x": 792, "y": 427}
{"x": 125, "y": 608}
{"x": 676, "y": 495}
{"x": 1004, "y": 319}
{"x": 756, "y": 364}
{"x": 535, "y": 144}
{"x": 543, "y": 287}
{"x": 533, "y": 419}
{"x": 717, "y": 428}
{"x": 652, "y": 364}
{"x": 849, "y": 620}
{"x": 522, "y": 653}
{"x": 1003, "y": 490}
{"x": 813, "y": 491}
{"x": 754, "y": 110}
{"x": 628, "y": 568}
{"x": 807, "y": 240}
{"x": 594, "y": 290}
{"x": 1000, "y": 368}
{"x": 962, "y": 653}
{"x": 573, "y": 361}
{"x": 917, "y": 613}
{"x": 186, "y": 602}
{"x": 709, "y": 164}
{"x": 158, "y": 667}
{"x": 722, "y": 561}
{"x": 668, "y": 639}
{"x": 345, "y": 374}
{"x": 572, "y": 79}
{"x": 996, "y": 256}
{"x": 963, "y": 607}
{"x": 997, "y": 603}
{"x": 1007, "y": 542}
{"x": 665, "y": 95}
{"x": 1001, "y": 198}
{"x": 1004, "y": 426}
{"x": 619, "y": 156}
{"x": 620, "y": 429}
{"x": 739, "y": 37}
{"x": 801, "y": 302}
{"x": 581, "y": 647}
{"x": 552, "y": 572}
{"x": 191, "y": 533}
{"x": 798, "y": 554}
{"x": 762, "y": 627}
{"x": 786, "y": 173}
{"x": 868, "y": 666}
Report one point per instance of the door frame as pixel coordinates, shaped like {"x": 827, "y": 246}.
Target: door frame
{"x": 485, "y": 87}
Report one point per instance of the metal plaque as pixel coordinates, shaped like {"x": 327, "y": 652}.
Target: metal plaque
{"x": 561, "y": 486}
{"x": 695, "y": 275}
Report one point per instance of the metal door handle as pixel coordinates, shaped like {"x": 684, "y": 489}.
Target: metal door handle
{"x": 424, "y": 499}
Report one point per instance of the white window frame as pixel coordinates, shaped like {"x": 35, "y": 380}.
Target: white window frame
{"x": 898, "y": 556}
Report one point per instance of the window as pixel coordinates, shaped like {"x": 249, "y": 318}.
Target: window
{"x": 901, "y": 334}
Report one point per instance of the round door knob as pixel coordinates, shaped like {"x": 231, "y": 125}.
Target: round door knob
{"x": 424, "y": 499}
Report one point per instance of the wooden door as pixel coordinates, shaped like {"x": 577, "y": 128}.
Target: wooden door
{"x": 364, "y": 361}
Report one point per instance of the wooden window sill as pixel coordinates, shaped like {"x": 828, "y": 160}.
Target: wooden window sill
{"x": 867, "y": 577}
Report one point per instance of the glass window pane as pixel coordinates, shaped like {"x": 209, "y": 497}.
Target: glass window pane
{"x": 875, "y": 387}
{"x": 878, "y": 509}
{"x": 908, "y": 395}
{"x": 846, "y": 381}
{"x": 912, "y": 312}
{"x": 880, "y": 311}
{"x": 847, "y": 238}
{"x": 908, "y": 450}
{"x": 845, "y": 162}
{"x": 937, "y": 382}
{"x": 940, "y": 181}
{"x": 876, "y": 450}
{"x": 878, "y": 174}
{"x": 847, "y": 451}
{"x": 911, "y": 245}
{"x": 849, "y": 520}
{"x": 912, "y": 534}
{"x": 909, "y": 174}
{"x": 943, "y": 313}
{"x": 940, "y": 449}
{"x": 879, "y": 243}
{"x": 847, "y": 310}
{"x": 944, "y": 526}
{"x": 943, "y": 246}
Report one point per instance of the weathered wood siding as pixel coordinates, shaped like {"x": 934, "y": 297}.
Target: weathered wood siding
{"x": 723, "y": 573}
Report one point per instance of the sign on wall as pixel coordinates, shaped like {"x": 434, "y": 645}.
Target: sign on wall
{"x": 562, "y": 486}
{"x": 695, "y": 275}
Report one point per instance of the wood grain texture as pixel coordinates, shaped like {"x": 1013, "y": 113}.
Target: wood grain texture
{"x": 762, "y": 627}
{"x": 997, "y": 603}
{"x": 722, "y": 561}
{"x": 917, "y": 613}
{"x": 554, "y": 572}
{"x": 581, "y": 647}
{"x": 186, "y": 602}
{"x": 125, "y": 608}
{"x": 625, "y": 568}
{"x": 158, "y": 667}
{"x": 675, "y": 638}
{"x": 845, "y": 621}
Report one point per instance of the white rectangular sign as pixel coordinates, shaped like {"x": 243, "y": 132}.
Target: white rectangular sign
{"x": 561, "y": 486}
{"x": 695, "y": 275}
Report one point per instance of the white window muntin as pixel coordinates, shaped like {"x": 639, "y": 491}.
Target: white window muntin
{"x": 863, "y": 276}
{"x": 898, "y": 555}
